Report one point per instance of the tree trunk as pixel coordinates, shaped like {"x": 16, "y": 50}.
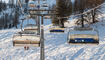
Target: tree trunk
{"x": 93, "y": 16}
{"x": 82, "y": 21}
{"x": 62, "y": 23}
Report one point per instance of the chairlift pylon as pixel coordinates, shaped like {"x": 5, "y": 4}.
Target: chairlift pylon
{"x": 83, "y": 38}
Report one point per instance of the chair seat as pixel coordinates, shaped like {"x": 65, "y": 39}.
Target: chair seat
{"x": 26, "y": 40}
{"x": 83, "y": 40}
{"x": 57, "y": 30}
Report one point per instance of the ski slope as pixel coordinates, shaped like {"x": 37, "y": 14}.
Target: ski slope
{"x": 56, "y": 47}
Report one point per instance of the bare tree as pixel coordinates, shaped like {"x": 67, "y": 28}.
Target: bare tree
{"x": 92, "y": 4}
{"x": 84, "y": 5}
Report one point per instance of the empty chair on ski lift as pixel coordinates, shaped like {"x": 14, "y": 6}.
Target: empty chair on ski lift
{"x": 45, "y": 5}
{"x": 47, "y": 17}
{"x": 83, "y": 36}
{"x": 26, "y": 40}
{"x": 32, "y": 12}
{"x": 31, "y": 28}
{"x": 31, "y": 4}
{"x": 57, "y": 30}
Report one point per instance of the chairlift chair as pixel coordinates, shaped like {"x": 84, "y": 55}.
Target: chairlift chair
{"x": 26, "y": 40}
{"x": 45, "y": 5}
{"x": 47, "y": 17}
{"x": 83, "y": 38}
{"x": 31, "y": 28}
{"x": 57, "y": 30}
{"x": 32, "y": 12}
{"x": 31, "y": 4}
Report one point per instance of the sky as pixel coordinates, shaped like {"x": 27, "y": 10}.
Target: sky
{"x": 5, "y": 1}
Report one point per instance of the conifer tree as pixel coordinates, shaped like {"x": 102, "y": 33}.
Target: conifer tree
{"x": 63, "y": 9}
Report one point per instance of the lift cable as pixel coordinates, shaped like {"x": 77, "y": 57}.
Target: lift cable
{"x": 84, "y": 12}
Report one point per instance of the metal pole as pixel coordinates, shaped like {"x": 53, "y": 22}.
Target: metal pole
{"x": 38, "y": 18}
{"x": 22, "y": 26}
{"x": 42, "y": 40}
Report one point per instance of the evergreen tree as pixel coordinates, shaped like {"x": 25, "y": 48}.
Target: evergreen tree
{"x": 79, "y": 8}
{"x": 16, "y": 17}
{"x": 63, "y": 9}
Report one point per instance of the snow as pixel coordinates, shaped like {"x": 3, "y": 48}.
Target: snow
{"x": 56, "y": 46}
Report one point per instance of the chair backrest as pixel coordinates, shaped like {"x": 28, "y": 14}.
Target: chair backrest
{"x": 30, "y": 25}
{"x": 83, "y": 29}
{"x": 45, "y": 5}
{"x": 86, "y": 29}
{"x": 47, "y": 17}
{"x": 81, "y": 32}
{"x": 73, "y": 36}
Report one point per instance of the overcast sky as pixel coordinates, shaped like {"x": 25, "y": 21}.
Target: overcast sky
{"x": 5, "y": 1}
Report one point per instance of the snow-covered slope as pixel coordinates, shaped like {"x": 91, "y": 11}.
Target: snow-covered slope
{"x": 56, "y": 47}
